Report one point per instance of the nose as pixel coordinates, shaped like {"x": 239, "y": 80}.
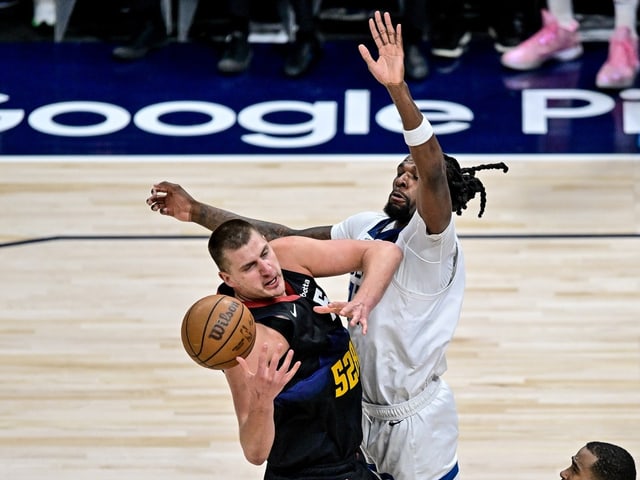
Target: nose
{"x": 564, "y": 475}
{"x": 265, "y": 268}
{"x": 401, "y": 180}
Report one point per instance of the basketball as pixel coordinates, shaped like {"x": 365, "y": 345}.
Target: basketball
{"x": 216, "y": 330}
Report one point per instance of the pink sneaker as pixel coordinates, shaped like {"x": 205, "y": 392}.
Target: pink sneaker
{"x": 552, "y": 41}
{"x": 622, "y": 65}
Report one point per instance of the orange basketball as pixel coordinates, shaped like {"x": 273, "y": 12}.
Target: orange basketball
{"x": 216, "y": 330}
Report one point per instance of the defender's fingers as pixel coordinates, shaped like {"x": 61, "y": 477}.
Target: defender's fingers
{"x": 394, "y": 34}
{"x": 384, "y": 35}
{"x": 388, "y": 26}
{"x": 377, "y": 39}
{"x": 156, "y": 188}
{"x": 365, "y": 54}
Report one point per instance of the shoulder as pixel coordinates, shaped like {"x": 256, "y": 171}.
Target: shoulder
{"x": 355, "y": 225}
{"x": 417, "y": 225}
{"x": 296, "y": 278}
{"x": 415, "y": 240}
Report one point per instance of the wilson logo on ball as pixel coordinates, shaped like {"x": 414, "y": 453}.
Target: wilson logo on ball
{"x": 216, "y": 330}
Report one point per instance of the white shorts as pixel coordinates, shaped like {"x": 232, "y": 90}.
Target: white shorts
{"x": 416, "y": 440}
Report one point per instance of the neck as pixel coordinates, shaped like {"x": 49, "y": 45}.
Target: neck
{"x": 399, "y": 224}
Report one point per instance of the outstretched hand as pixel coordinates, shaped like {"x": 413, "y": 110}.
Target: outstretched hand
{"x": 357, "y": 312}
{"x": 172, "y": 200}
{"x": 268, "y": 380}
{"x": 389, "y": 68}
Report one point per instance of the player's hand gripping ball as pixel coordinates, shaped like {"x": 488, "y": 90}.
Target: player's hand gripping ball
{"x": 216, "y": 330}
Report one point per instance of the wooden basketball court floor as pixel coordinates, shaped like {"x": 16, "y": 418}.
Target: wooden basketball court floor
{"x": 94, "y": 383}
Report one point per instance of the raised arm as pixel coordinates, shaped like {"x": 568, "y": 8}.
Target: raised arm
{"x": 434, "y": 199}
{"x": 172, "y": 200}
{"x": 254, "y": 385}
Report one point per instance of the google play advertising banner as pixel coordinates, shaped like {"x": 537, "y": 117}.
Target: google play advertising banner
{"x": 72, "y": 99}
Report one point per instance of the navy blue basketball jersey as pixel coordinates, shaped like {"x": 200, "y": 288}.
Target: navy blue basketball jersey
{"x": 318, "y": 413}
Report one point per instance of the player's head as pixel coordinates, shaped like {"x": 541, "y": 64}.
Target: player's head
{"x": 246, "y": 261}
{"x": 463, "y": 186}
{"x": 600, "y": 461}
{"x": 402, "y": 200}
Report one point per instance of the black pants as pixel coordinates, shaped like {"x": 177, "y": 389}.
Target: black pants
{"x": 354, "y": 469}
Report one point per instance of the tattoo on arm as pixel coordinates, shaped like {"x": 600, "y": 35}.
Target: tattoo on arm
{"x": 276, "y": 230}
{"x": 211, "y": 218}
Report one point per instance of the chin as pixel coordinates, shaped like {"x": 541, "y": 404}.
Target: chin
{"x": 398, "y": 213}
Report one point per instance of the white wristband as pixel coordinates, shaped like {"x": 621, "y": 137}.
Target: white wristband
{"x": 419, "y": 135}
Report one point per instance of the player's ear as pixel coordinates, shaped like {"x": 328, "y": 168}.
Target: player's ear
{"x": 226, "y": 278}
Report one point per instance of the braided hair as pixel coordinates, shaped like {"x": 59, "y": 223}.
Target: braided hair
{"x": 463, "y": 184}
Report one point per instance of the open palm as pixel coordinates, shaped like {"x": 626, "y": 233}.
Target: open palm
{"x": 389, "y": 68}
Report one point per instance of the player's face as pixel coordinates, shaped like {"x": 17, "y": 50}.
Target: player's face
{"x": 402, "y": 200}
{"x": 253, "y": 270}
{"x": 580, "y": 468}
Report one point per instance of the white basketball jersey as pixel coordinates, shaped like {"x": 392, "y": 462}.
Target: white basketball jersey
{"x": 410, "y": 328}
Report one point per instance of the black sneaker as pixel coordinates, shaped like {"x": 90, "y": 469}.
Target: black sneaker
{"x": 153, "y": 35}
{"x": 449, "y": 43}
{"x": 508, "y": 33}
{"x": 237, "y": 54}
{"x": 302, "y": 55}
{"x": 415, "y": 65}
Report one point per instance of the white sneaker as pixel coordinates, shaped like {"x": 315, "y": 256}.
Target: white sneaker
{"x": 44, "y": 13}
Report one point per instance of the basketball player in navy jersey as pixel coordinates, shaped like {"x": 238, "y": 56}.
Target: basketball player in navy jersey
{"x": 301, "y": 413}
{"x": 410, "y": 423}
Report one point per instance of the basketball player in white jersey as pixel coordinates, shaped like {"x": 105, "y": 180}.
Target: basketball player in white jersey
{"x": 410, "y": 422}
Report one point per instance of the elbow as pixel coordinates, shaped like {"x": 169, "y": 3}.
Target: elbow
{"x": 255, "y": 453}
{"x": 389, "y": 251}
{"x": 255, "y": 458}
{"x": 395, "y": 252}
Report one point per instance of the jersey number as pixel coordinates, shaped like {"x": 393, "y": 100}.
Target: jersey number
{"x": 346, "y": 371}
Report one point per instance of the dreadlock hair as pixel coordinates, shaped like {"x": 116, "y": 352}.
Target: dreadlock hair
{"x": 463, "y": 184}
{"x": 613, "y": 462}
